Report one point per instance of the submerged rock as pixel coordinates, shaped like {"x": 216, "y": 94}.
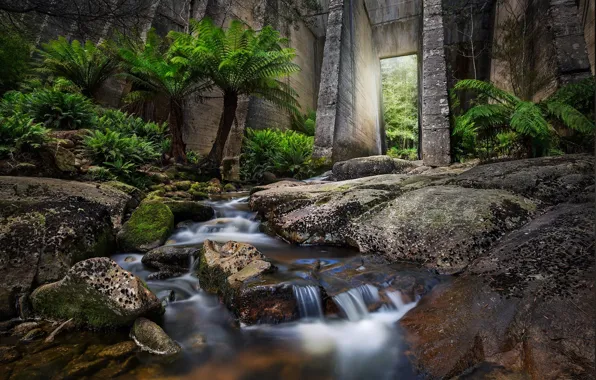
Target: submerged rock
{"x": 148, "y": 227}
{"x": 526, "y": 305}
{"x": 370, "y": 166}
{"x": 96, "y": 293}
{"x": 47, "y": 225}
{"x": 151, "y": 338}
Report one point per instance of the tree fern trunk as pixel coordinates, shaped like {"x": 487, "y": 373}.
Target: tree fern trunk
{"x": 176, "y": 121}
{"x": 225, "y": 126}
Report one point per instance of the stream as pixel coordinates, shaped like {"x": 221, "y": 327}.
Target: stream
{"x": 353, "y": 344}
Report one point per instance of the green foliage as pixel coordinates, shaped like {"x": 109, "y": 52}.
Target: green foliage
{"x": 19, "y": 133}
{"x": 15, "y": 57}
{"x": 240, "y": 60}
{"x": 405, "y": 154}
{"x": 115, "y": 149}
{"x": 284, "y": 153}
{"x": 500, "y": 123}
{"x": 86, "y": 65}
{"x": 400, "y": 100}
{"x": 101, "y": 174}
{"x": 305, "y": 123}
{"x": 60, "y": 110}
{"x": 193, "y": 157}
{"x": 129, "y": 125}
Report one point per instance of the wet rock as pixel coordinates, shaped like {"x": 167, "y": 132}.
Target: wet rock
{"x": 237, "y": 272}
{"x": 525, "y": 305}
{"x": 170, "y": 261}
{"x": 23, "y": 328}
{"x": 276, "y": 185}
{"x": 97, "y": 293}
{"x": 77, "y": 369}
{"x": 62, "y": 158}
{"x": 9, "y": 354}
{"x": 116, "y": 368}
{"x": 148, "y": 227}
{"x": 118, "y": 351}
{"x": 48, "y": 225}
{"x": 166, "y": 296}
{"x": 445, "y": 227}
{"x": 151, "y": 338}
{"x": 38, "y": 365}
{"x": 549, "y": 179}
{"x": 65, "y": 326}
{"x": 370, "y": 166}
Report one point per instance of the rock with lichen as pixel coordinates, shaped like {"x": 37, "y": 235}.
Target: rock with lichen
{"x": 148, "y": 227}
{"x": 238, "y": 273}
{"x": 151, "y": 338}
{"x": 47, "y": 225}
{"x": 96, "y": 293}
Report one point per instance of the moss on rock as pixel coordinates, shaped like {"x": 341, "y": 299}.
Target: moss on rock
{"x": 148, "y": 227}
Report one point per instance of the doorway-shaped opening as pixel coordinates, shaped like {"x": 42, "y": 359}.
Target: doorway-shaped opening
{"x": 400, "y": 106}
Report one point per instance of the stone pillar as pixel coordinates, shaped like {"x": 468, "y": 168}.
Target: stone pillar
{"x": 568, "y": 39}
{"x": 329, "y": 85}
{"x": 436, "y": 135}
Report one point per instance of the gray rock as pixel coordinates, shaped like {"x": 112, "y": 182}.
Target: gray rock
{"x": 527, "y": 304}
{"x": 370, "y": 166}
{"x": 96, "y": 293}
{"x": 171, "y": 258}
{"x": 444, "y": 227}
{"x": 48, "y": 225}
{"x": 151, "y": 338}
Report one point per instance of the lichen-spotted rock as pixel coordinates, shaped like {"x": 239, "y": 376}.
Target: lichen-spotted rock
{"x": 97, "y": 293}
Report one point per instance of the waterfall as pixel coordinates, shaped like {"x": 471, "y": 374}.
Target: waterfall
{"x": 309, "y": 301}
{"x": 353, "y": 302}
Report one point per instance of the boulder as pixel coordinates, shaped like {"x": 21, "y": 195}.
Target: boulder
{"x": 148, "y": 227}
{"x": 48, "y": 225}
{"x": 188, "y": 210}
{"x": 96, "y": 293}
{"x": 549, "y": 179}
{"x": 527, "y": 305}
{"x": 170, "y": 261}
{"x": 370, "y": 166}
{"x": 151, "y": 338}
{"x": 238, "y": 273}
{"x": 444, "y": 227}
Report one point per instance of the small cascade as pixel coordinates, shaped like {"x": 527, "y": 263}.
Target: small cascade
{"x": 309, "y": 301}
{"x": 353, "y": 302}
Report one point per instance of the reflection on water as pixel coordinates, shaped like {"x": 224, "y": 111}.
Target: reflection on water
{"x": 358, "y": 345}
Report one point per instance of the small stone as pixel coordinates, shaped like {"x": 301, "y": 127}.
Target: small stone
{"x": 151, "y": 338}
{"x": 24, "y": 328}
{"x": 34, "y": 334}
{"x": 130, "y": 259}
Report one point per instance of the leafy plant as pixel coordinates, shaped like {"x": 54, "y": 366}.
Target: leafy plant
{"x": 284, "y": 153}
{"x": 499, "y": 117}
{"x": 405, "y": 154}
{"x": 99, "y": 173}
{"x": 193, "y": 157}
{"x": 129, "y": 125}
{"x": 60, "y": 110}
{"x": 19, "y": 133}
{"x": 113, "y": 147}
{"x": 305, "y": 123}
{"x": 155, "y": 73}
{"x": 86, "y": 65}
{"x": 238, "y": 61}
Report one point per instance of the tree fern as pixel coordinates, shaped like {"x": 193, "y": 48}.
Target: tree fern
{"x": 239, "y": 61}
{"x": 86, "y": 65}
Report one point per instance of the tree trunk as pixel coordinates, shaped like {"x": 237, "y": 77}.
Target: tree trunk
{"x": 176, "y": 121}
{"x": 225, "y": 126}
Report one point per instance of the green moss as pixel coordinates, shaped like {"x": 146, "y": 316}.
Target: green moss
{"x": 198, "y": 195}
{"x": 229, "y": 187}
{"x": 125, "y": 188}
{"x": 183, "y": 185}
{"x": 149, "y": 226}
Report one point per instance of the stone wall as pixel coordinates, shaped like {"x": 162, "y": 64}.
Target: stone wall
{"x": 587, "y": 12}
{"x": 349, "y": 120}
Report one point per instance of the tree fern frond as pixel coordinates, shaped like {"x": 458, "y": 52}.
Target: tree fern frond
{"x": 571, "y": 117}
{"x": 488, "y": 89}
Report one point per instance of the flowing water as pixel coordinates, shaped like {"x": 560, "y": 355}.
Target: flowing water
{"x": 353, "y": 344}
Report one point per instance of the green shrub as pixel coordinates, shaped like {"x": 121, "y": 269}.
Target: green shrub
{"x": 284, "y": 153}
{"x": 305, "y": 123}
{"x": 99, "y": 173}
{"x": 61, "y": 110}
{"x": 111, "y": 147}
{"x": 19, "y": 133}
{"x": 405, "y": 154}
{"x": 129, "y": 125}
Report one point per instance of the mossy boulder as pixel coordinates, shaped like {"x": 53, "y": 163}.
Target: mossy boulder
{"x": 47, "y": 226}
{"x": 148, "y": 227}
{"x": 96, "y": 293}
{"x": 151, "y": 338}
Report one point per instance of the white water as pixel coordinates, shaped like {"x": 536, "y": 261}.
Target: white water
{"x": 366, "y": 345}
{"x": 309, "y": 301}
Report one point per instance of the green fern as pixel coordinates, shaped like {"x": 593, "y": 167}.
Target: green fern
{"x": 87, "y": 65}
